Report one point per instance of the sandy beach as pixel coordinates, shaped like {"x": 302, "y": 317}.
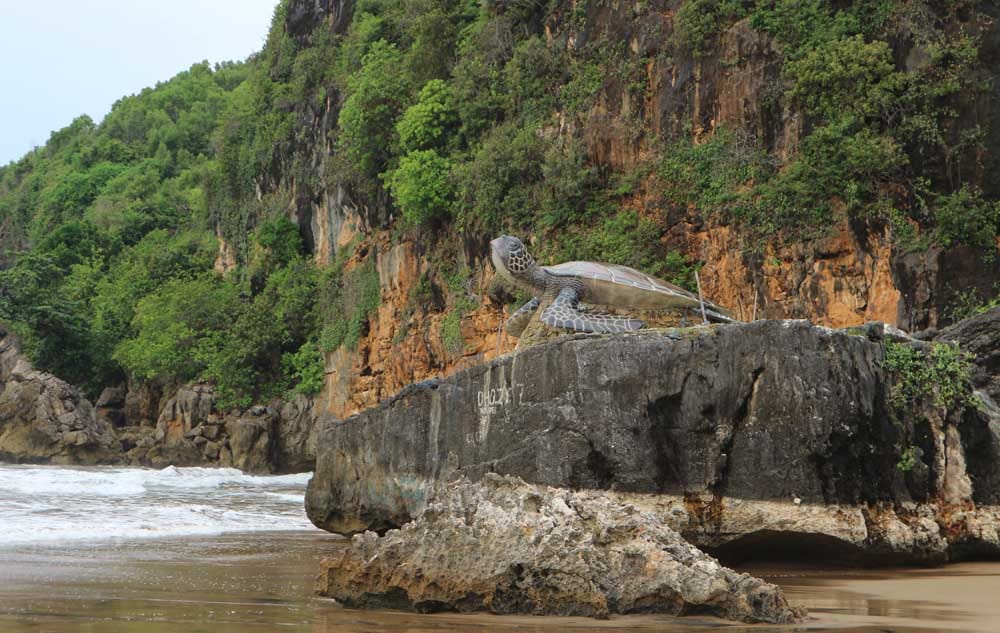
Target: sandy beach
{"x": 263, "y": 582}
{"x": 126, "y": 550}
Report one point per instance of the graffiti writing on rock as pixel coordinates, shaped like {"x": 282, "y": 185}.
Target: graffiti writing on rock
{"x": 499, "y": 396}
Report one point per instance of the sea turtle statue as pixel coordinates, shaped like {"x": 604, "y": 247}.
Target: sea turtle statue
{"x": 566, "y": 286}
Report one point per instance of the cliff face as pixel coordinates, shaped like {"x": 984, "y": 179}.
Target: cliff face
{"x": 735, "y": 434}
{"x": 406, "y": 343}
{"x": 632, "y": 132}
{"x": 853, "y": 272}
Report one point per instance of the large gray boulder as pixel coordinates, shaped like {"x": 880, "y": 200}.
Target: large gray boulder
{"x": 503, "y": 546}
{"x": 46, "y": 420}
{"x": 745, "y": 436}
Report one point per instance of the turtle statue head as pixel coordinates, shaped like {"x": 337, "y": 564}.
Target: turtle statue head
{"x": 511, "y": 258}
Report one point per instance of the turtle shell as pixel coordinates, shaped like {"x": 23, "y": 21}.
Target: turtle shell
{"x": 624, "y": 287}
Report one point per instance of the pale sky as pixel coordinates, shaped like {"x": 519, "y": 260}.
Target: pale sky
{"x": 63, "y": 58}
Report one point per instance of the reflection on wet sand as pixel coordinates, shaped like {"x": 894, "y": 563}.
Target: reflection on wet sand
{"x": 263, "y": 582}
{"x": 960, "y": 597}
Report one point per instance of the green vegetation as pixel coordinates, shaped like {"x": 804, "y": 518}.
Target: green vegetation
{"x": 698, "y": 22}
{"x": 349, "y": 299}
{"x": 368, "y": 117}
{"x": 431, "y": 121}
{"x": 449, "y": 121}
{"x": 110, "y": 249}
{"x": 907, "y": 460}
{"x": 874, "y": 123}
{"x": 964, "y": 216}
{"x": 451, "y": 331}
{"x": 456, "y": 280}
{"x": 941, "y": 376}
{"x": 305, "y": 369}
{"x": 969, "y": 303}
{"x": 105, "y": 215}
{"x": 921, "y": 378}
{"x": 421, "y": 187}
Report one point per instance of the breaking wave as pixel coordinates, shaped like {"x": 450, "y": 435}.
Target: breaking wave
{"x": 45, "y": 504}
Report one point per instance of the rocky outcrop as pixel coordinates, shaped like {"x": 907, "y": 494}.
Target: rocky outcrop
{"x": 980, "y": 337}
{"x": 507, "y": 547}
{"x": 110, "y": 405}
{"x": 734, "y": 434}
{"x": 277, "y": 438}
{"x": 294, "y": 448}
{"x": 45, "y": 420}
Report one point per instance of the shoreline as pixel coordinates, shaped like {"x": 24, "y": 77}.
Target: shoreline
{"x": 242, "y": 582}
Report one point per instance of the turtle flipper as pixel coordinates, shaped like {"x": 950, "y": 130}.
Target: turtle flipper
{"x": 563, "y": 313}
{"x": 519, "y": 320}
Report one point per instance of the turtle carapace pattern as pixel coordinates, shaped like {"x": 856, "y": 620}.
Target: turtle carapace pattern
{"x": 565, "y": 286}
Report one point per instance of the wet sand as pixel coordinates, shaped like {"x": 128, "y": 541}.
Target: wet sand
{"x": 263, "y": 582}
{"x": 960, "y": 597}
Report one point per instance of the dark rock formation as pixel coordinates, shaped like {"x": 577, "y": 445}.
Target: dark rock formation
{"x": 980, "y": 336}
{"x": 507, "y": 547}
{"x": 110, "y": 403}
{"x": 740, "y": 431}
{"x": 304, "y": 16}
{"x": 44, "y": 419}
{"x": 143, "y": 402}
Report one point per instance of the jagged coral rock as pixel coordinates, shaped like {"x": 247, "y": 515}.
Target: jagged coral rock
{"x": 507, "y": 547}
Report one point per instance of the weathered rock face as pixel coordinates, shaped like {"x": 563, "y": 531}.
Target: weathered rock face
{"x": 294, "y": 448}
{"x": 190, "y": 430}
{"x": 507, "y": 547}
{"x": 980, "y": 336}
{"x": 43, "y": 419}
{"x": 404, "y": 344}
{"x": 725, "y": 425}
{"x": 190, "y": 406}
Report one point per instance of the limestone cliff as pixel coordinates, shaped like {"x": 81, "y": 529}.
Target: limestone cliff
{"x": 852, "y": 273}
{"x": 437, "y": 308}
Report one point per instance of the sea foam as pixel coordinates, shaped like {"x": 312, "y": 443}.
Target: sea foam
{"x": 47, "y": 504}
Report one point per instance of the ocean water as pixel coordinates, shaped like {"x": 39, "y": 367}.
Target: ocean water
{"x": 55, "y": 504}
{"x": 191, "y": 550}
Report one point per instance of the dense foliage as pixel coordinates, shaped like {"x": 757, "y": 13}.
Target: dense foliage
{"x": 109, "y": 251}
{"x": 448, "y": 121}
